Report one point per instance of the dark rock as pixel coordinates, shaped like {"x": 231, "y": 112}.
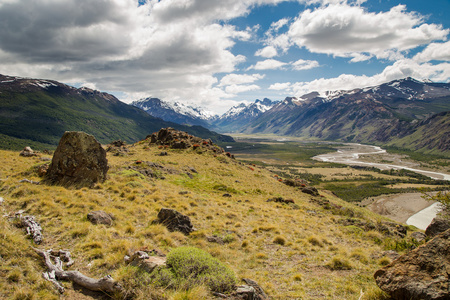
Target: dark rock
{"x": 421, "y": 273}
{"x": 437, "y": 226}
{"x": 79, "y": 160}
{"x": 281, "y": 200}
{"x": 227, "y": 195}
{"x": 175, "y": 221}
{"x": 163, "y": 153}
{"x": 100, "y": 217}
{"x": 27, "y": 152}
{"x": 310, "y": 190}
{"x": 42, "y": 169}
{"x": 190, "y": 175}
{"x": 118, "y": 143}
{"x": 183, "y": 192}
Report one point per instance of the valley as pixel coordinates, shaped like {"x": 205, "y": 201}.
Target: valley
{"x": 383, "y": 187}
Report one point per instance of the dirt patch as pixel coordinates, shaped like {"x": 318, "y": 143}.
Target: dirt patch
{"x": 398, "y": 207}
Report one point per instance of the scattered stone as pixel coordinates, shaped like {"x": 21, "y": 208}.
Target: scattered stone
{"x": 310, "y": 190}
{"x": 175, "y": 221}
{"x": 28, "y": 152}
{"x": 183, "y": 192}
{"x": 147, "y": 263}
{"x": 227, "y": 195}
{"x": 163, "y": 153}
{"x": 437, "y": 226}
{"x": 418, "y": 236}
{"x": 421, "y": 273}
{"x": 245, "y": 292}
{"x": 79, "y": 160}
{"x": 215, "y": 239}
{"x": 100, "y": 217}
{"x": 2, "y": 200}
{"x": 260, "y": 294}
{"x": 281, "y": 200}
{"x": 190, "y": 175}
{"x": 117, "y": 148}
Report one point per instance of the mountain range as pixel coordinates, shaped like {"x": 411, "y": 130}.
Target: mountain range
{"x": 405, "y": 113}
{"x": 39, "y": 111}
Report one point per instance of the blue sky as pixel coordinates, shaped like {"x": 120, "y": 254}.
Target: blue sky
{"x": 218, "y": 53}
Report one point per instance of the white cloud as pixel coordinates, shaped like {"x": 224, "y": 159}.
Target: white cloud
{"x": 268, "y": 64}
{"x": 267, "y": 52}
{"x": 400, "y": 69}
{"x": 347, "y": 30}
{"x": 167, "y": 49}
{"x": 241, "y": 88}
{"x": 280, "y": 86}
{"x": 304, "y": 64}
{"x": 434, "y": 51}
{"x": 234, "y": 79}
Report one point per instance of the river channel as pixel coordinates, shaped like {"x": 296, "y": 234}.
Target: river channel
{"x": 398, "y": 207}
{"x": 350, "y": 154}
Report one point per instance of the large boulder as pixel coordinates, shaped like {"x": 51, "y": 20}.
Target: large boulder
{"x": 423, "y": 273}
{"x": 78, "y": 161}
{"x": 437, "y": 226}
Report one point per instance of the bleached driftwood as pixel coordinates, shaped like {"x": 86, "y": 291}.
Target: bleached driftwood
{"x": 56, "y": 271}
{"x": 32, "y": 227}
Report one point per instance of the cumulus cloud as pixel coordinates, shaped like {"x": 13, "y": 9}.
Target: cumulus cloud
{"x": 268, "y": 64}
{"x": 304, "y": 64}
{"x": 241, "y": 88}
{"x": 348, "y": 30}
{"x": 231, "y": 79}
{"x": 400, "y": 69}
{"x": 167, "y": 49}
{"x": 434, "y": 51}
{"x": 280, "y": 86}
{"x": 267, "y": 52}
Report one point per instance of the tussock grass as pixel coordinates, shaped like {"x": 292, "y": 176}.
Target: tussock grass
{"x": 285, "y": 250}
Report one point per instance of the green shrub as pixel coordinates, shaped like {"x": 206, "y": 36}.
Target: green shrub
{"x": 193, "y": 267}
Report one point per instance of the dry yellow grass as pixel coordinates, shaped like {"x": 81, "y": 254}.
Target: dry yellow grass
{"x": 285, "y": 249}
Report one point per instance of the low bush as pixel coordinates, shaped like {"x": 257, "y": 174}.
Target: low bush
{"x": 193, "y": 267}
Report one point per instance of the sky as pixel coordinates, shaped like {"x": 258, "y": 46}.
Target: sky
{"x": 219, "y": 53}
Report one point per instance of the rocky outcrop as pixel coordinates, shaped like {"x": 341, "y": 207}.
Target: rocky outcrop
{"x": 175, "y": 139}
{"x": 422, "y": 273}
{"x": 100, "y": 217}
{"x": 27, "y": 152}
{"x": 147, "y": 263}
{"x": 175, "y": 221}
{"x": 79, "y": 160}
{"x": 437, "y": 226}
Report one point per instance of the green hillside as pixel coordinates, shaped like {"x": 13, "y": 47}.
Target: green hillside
{"x": 39, "y": 112}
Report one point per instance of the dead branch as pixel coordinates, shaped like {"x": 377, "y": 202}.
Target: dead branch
{"x": 32, "y": 227}
{"x": 105, "y": 284}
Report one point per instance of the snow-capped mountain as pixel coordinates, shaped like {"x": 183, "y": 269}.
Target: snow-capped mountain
{"x": 174, "y": 112}
{"x": 385, "y": 113}
{"x": 242, "y": 114}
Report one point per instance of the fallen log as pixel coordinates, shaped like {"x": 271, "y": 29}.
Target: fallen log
{"x": 56, "y": 272}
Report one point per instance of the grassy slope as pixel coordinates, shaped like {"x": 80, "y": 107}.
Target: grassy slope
{"x": 312, "y": 235}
